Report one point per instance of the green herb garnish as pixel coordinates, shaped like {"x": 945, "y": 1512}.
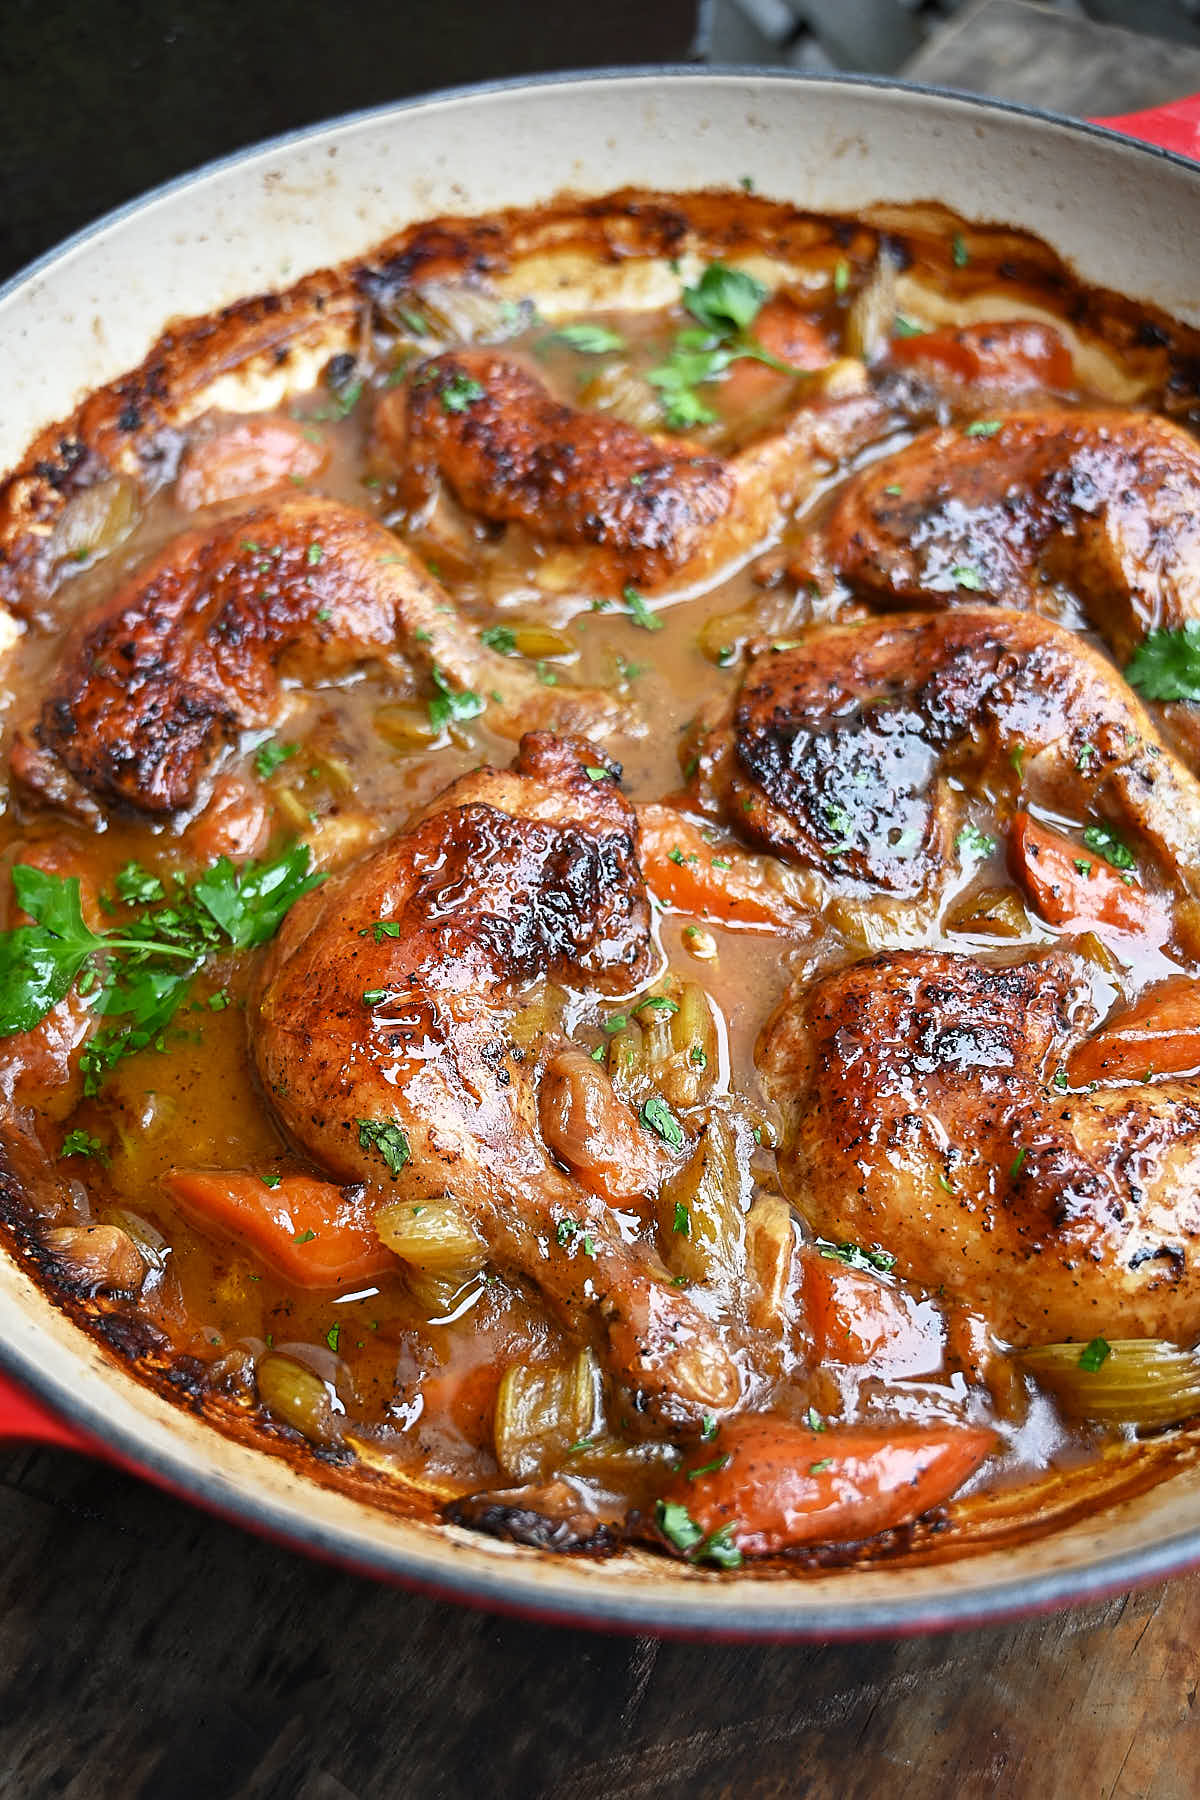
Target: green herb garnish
{"x": 1166, "y": 664}
{"x": 639, "y": 612}
{"x": 590, "y": 339}
{"x": 657, "y": 1116}
{"x": 270, "y": 755}
{"x": 973, "y": 842}
{"x": 855, "y": 1257}
{"x": 1095, "y": 1355}
{"x": 459, "y": 392}
{"x": 448, "y": 705}
{"x": 386, "y": 1136}
{"x": 1107, "y": 844}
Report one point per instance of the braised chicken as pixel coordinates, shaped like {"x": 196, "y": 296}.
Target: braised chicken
{"x": 1035, "y": 508}
{"x": 650, "y": 508}
{"x": 847, "y": 752}
{"x": 204, "y": 642}
{"x": 386, "y": 999}
{"x": 927, "y": 1108}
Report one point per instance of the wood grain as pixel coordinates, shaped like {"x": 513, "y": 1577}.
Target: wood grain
{"x": 148, "y": 1652}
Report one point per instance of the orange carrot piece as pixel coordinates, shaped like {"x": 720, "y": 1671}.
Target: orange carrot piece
{"x": 312, "y": 1233}
{"x": 1159, "y": 1035}
{"x": 710, "y": 881}
{"x": 1073, "y": 886}
{"x": 856, "y": 1318}
{"x": 788, "y": 333}
{"x": 1012, "y": 353}
{"x": 782, "y": 1484}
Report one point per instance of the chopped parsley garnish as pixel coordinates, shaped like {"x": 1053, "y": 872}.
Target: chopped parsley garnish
{"x": 139, "y": 974}
{"x": 698, "y": 1057}
{"x": 677, "y": 1525}
{"x": 658, "y": 1003}
{"x": 499, "y": 637}
{"x": 313, "y": 555}
{"x": 1095, "y": 1355}
{"x": 386, "y": 1136}
{"x": 1107, "y": 844}
{"x": 813, "y": 1420}
{"x": 906, "y": 328}
{"x": 725, "y": 302}
{"x": 271, "y": 755}
{"x": 1083, "y": 865}
{"x": 984, "y": 427}
{"x": 1018, "y": 1163}
{"x": 1060, "y": 1080}
{"x": 657, "y": 1116}
{"x": 639, "y": 612}
{"x": 1016, "y": 757}
{"x": 973, "y": 842}
{"x": 459, "y": 392}
{"x": 855, "y": 1257}
{"x": 708, "y": 1428}
{"x": 137, "y": 886}
{"x": 720, "y": 1549}
{"x": 964, "y": 576}
{"x": 272, "y": 1180}
{"x": 333, "y": 1337}
{"x": 841, "y": 276}
{"x": 448, "y": 705}
{"x": 615, "y": 1022}
{"x": 819, "y": 1468}
{"x": 594, "y": 772}
{"x": 683, "y": 1220}
{"x": 302, "y": 1237}
{"x": 81, "y": 1143}
{"x": 708, "y": 1468}
{"x": 590, "y": 339}
{"x": 372, "y": 996}
{"x": 1166, "y": 664}
{"x": 959, "y": 251}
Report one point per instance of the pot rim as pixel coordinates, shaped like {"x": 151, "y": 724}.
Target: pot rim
{"x": 705, "y": 1612}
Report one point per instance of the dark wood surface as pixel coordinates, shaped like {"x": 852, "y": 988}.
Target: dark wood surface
{"x": 148, "y": 1652}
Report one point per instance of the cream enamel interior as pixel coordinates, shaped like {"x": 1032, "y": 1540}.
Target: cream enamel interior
{"x": 1125, "y": 218}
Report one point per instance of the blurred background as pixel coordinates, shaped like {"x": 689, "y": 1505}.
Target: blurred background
{"x": 99, "y": 101}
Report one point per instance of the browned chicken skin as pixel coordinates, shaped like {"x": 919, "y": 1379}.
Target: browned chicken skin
{"x": 837, "y": 750}
{"x": 922, "y": 1114}
{"x": 514, "y": 452}
{"x": 510, "y": 878}
{"x": 1103, "y": 503}
{"x": 649, "y": 508}
{"x": 193, "y": 647}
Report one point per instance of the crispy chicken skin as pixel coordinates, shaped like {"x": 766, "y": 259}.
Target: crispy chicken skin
{"x": 837, "y": 750}
{"x": 514, "y": 452}
{"x": 193, "y": 646}
{"x": 649, "y": 509}
{"x": 512, "y": 877}
{"x": 922, "y": 1114}
{"x": 1103, "y": 503}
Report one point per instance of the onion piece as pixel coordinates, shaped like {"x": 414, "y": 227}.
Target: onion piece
{"x": 1140, "y": 1381}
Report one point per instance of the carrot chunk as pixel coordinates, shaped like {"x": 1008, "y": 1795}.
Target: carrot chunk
{"x": 1073, "y": 886}
{"x": 781, "y": 1484}
{"x": 856, "y": 1318}
{"x": 1012, "y": 353}
{"x": 707, "y": 880}
{"x": 310, "y": 1232}
{"x": 1159, "y": 1035}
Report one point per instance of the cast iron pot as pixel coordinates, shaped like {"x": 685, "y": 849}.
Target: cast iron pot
{"x": 1126, "y": 216}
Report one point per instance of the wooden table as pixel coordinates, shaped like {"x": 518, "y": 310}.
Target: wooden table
{"x": 148, "y": 1652}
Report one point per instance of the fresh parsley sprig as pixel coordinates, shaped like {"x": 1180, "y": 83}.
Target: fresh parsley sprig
{"x": 1166, "y": 664}
{"x": 138, "y": 973}
{"x": 725, "y": 303}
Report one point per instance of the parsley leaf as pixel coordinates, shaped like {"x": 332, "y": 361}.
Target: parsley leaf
{"x": 677, "y": 1525}
{"x": 499, "y": 637}
{"x": 855, "y": 1257}
{"x": 590, "y": 339}
{"x": 1095, "y": 1355}
{"x": 973, "y": 842}
{"x": 386, "y": 1136}
{"x": 459, "y": 392}
{"x": 983, "y": 427}
{"x": 137, "y": 886}
{"x": 1107, "y": 844}
{"x": 81, "y": 1143}
{"x": 724, "y": 299}
{"x": 639, "y": 612}
{"x": 140, "y": 972}
{"x": 1166, "y": 664}
{"x": 658, "y": 1117}
{"x": 271, "y": 755}
{"x": 964, "y": 576}
{"x": 447, "y": 704}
